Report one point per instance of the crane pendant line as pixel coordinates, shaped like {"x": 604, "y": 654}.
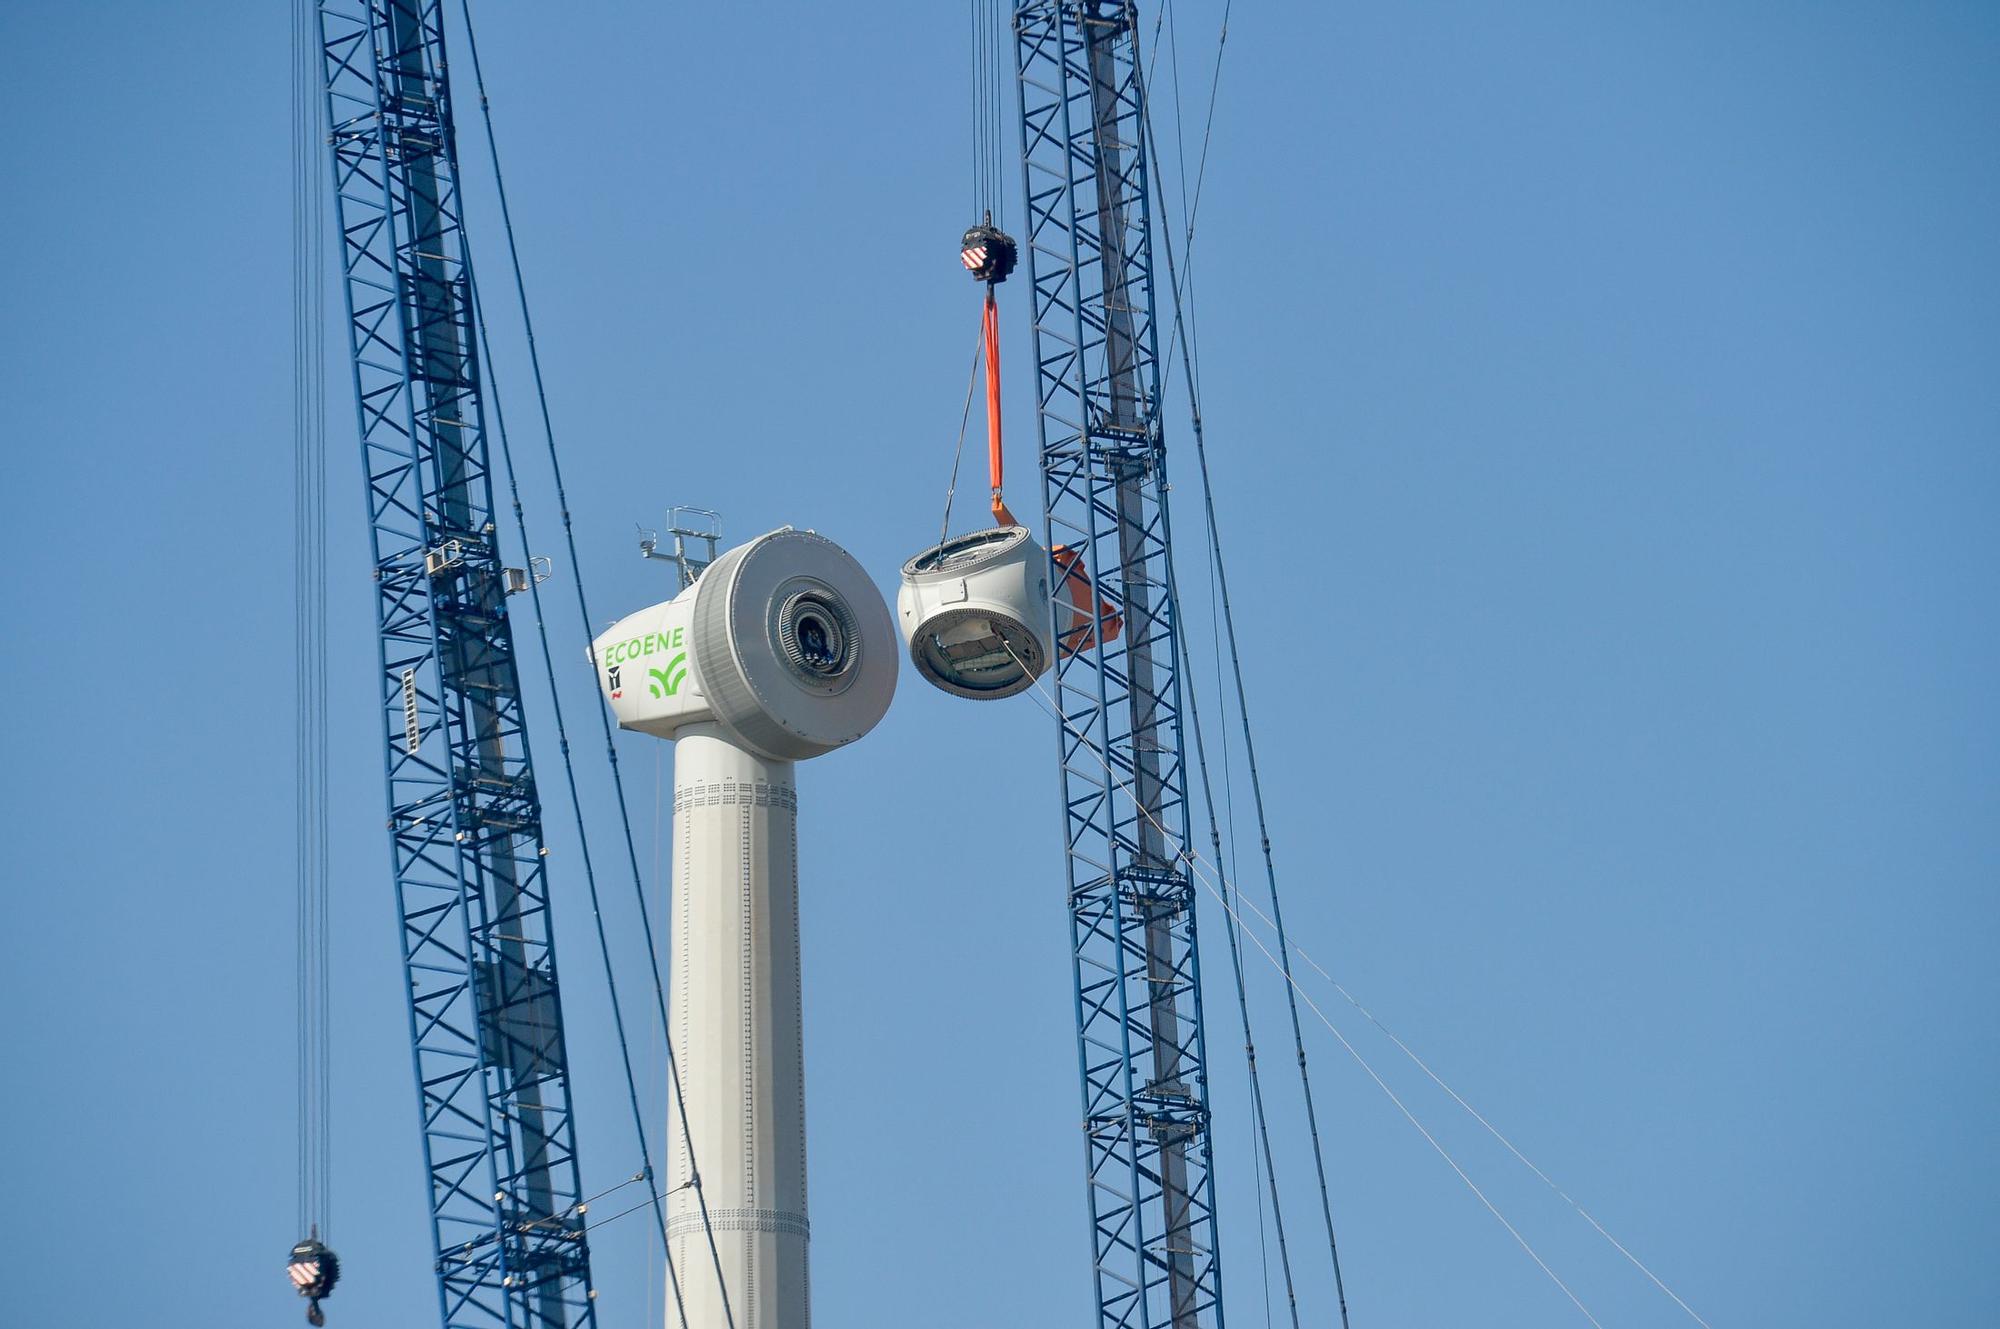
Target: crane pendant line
{"x": 1140, "y": 1044}
{"x": 466, "y": 847}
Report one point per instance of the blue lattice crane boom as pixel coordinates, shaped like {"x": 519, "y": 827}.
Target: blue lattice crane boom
{"x": 1141, "y": 1051}
{"x": 464, "y": 819}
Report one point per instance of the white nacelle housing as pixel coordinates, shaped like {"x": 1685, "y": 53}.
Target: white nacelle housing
{"x": 784, "y": 642}
{"x": 975, "y": 612}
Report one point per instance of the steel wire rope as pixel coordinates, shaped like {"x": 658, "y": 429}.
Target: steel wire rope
{"x": 1180, "y": 336}
{"x": 313, "y": 955}
{"x": 988, "y": 193}
{"x": 983, "y": 127}
{"x": 1410, "y": 1116}
{"x": 1229, "y": 818}
{"x": 1185, "y": 337}
{"x": 1194, "y": 862}
{"x": 998, "y": 145}
{"x": 590, "y": 876}
{"x": 657, "y": 1196}
{"x": 1191, "y": 373}
{"x": 1190, "y": 207}
{"x": 299, "y": 893}
{"x": 1266, "y": 1164}
{"x": 653, "y": 1045}
{"x": 485, "y": 348}
{"x": 583, "y": 1205}
{"x": 965, "y": 419}
{"x": 1495, "y": 1133}
{"x": 973, "y": 157}
{"x": 989, "y": 187}
{"x": 1424, "y": 1066}
{"x": 1262, "y": 1121}
{"x": 1263, "y": 1243}
{"x": 1407, "y": 1051}
{"x": 982, "y": 159}
{"x": 583, "y": 614}
{"x": 1260, "y": 1117}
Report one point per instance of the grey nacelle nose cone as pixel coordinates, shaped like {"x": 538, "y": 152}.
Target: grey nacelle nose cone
{"x": 792, "y": 645}
{"x": 784, "y": 643}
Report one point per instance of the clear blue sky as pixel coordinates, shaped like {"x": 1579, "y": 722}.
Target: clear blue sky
{"x": 1604, "y": 406}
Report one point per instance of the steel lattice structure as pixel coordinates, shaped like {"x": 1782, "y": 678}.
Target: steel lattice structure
{"x": 464, "y": 818}
{"x": 1125, "y": 812}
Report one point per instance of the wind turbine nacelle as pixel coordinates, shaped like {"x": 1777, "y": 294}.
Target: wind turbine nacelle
{"x": 783, "y": 642}
{"x": 975, "y": 613}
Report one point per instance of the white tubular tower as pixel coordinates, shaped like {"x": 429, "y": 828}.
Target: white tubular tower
{"x": 737, "y": 1032}
{"x": 782, "y": 651}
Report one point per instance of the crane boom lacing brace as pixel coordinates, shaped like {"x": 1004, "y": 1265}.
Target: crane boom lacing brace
{"x": 464, "y": 819}
{"x": 1141, "y": 1049}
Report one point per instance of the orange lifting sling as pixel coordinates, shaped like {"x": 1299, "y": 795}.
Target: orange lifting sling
{"x": 1078, "y": 609}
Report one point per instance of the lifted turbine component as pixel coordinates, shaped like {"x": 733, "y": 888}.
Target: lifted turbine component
{"x": 975, "y": 612}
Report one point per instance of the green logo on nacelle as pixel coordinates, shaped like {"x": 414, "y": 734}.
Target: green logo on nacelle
{"x": 666, "y": 682}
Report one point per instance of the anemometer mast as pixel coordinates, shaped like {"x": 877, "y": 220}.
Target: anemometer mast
{"x": 1144, "y": 1066}
{"x": 465, "y": 824}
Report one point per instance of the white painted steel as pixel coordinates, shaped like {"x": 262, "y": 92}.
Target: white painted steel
{"x": 735, "y": 1010}
{"x": 783, "y": 650}
{"x": 975, "y": 613}
{"x": 727, "y": 649}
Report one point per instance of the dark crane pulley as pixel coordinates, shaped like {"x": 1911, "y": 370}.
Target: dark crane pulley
{"x": 988, "y": 252}
{"x": 314, "y": 1269}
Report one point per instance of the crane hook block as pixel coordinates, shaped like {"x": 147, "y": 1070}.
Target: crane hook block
{"x": 988, "y": 253}
{"x": 314, "y": 1270}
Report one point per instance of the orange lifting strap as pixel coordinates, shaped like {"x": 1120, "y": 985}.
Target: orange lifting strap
{"x": 995, "y": 464}
{"x": 1078, "y": 608}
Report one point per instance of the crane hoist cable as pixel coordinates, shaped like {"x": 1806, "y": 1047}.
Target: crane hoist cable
{"x": 604, "y": 719}
{"x": 990, "y": 254}
{"x": 312, "y": 1267}
{"x": 991, "y": 33}
{"x": 1181, "y": 337}
{"x": 611, "y": 751}
{"x": 1208, "y": 873}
